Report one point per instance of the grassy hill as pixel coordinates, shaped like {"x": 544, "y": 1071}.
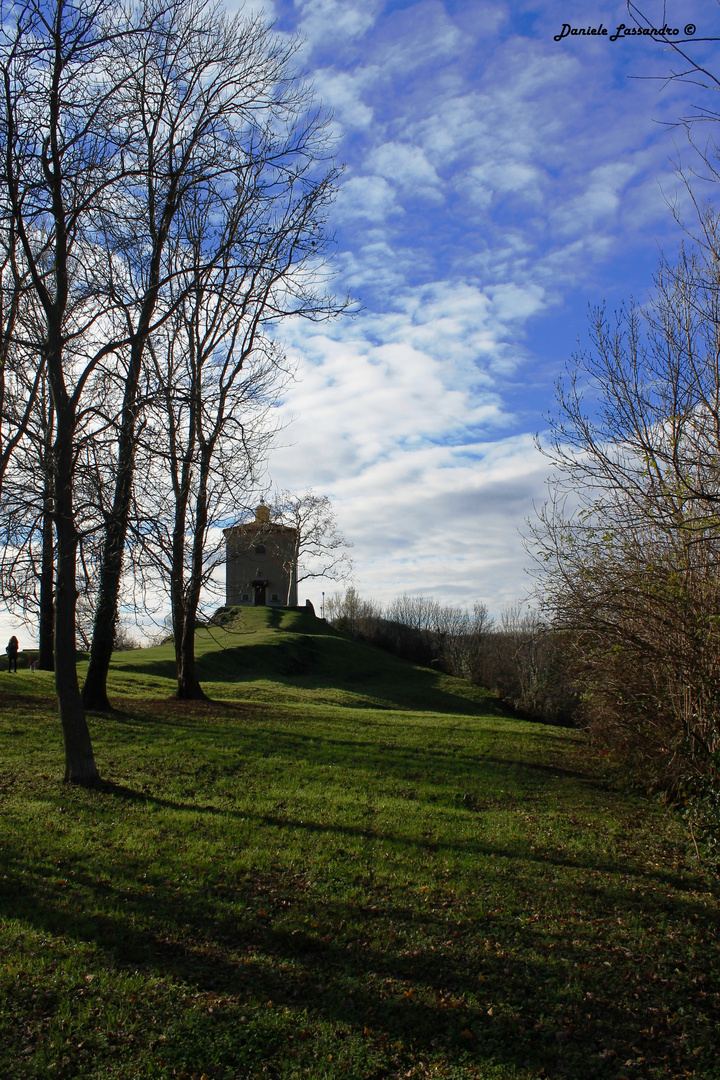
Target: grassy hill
{"x": 266, "y": 654}
{"x": 341, "y": 866}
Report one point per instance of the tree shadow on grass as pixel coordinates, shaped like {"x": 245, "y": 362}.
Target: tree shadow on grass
{"x": 483, "y": 993}
{"x": 475, "y": 847}
{"x": 327, "y": 663}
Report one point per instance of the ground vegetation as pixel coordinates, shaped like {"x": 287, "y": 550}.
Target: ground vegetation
{"x": 627, "y": 546}
{"x": 343, "y": 865}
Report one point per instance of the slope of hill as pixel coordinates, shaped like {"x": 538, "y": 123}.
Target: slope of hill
{"x": 265, "y": 654}
{"x": 340, "y": 868}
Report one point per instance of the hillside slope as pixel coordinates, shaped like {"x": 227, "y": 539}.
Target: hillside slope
{"x": 341, "y": 868}
{"x": 275, "y": 654}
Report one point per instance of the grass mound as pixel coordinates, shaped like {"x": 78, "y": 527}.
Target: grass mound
{"x": 265, "y": 654}
{"x": 341, "y": 866}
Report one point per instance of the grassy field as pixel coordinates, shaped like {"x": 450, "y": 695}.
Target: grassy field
{"x": 342, "y": 866}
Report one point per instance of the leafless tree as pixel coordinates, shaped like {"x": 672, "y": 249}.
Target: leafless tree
{"x": 242, "y": 265}
{"x": 351, "y": 612}
{"x": 116, "y": 121}
{"x": 62, "y": 142}
{"x": 320, "y": 549}
{"x": 226, "y": 149}
{"x": 206, "y": 434}
{"x": 629, "y": 545}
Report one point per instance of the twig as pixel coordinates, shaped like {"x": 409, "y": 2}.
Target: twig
{"x": 694, "y": 840}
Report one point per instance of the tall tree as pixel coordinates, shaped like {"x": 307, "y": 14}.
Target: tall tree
{"x": 61, "y": 141}
{"x": 225, "y": 174}
{"x": 216, "y": 372}
{"x": 206, "y": 434}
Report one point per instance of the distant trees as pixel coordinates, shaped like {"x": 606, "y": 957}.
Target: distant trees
{"x": 519, "y": 657}
{"x": 163, "y": 170}
{"x": 416, "y": 628}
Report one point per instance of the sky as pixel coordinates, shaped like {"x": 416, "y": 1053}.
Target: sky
{"x": 496, "y": 182}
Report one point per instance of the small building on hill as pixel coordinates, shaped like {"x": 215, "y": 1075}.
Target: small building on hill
{"x": 261, "y": 563}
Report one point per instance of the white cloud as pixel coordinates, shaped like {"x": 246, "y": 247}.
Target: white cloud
{"x": 431, "y": 522}
{"x": 264, "y": 8}
{"x": 322, "y": 19}
{"x": 419, "y": 37}
{"x": 343, "y": 92}
{"x": 367, "y": 197}
{"x": 399, "y": 416}
{"x": 600, "y": 197}
{"x": 407, "y": 167}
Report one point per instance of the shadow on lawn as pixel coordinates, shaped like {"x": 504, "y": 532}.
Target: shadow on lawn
{"x": 461, "y": 847}
{"x": 411, "y": 759}
{"x": 459, "y": 991}
{"x": 322, "y": 663}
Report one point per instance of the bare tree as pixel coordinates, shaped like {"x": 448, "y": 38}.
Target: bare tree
{"x": 319, "y": 549}
{"x": 221, "y": 125}
{"x": 629, "y": 546}
{"x": 350, "y": 612}
{"x": 245, "y": 259}
{"x": 62, "y": 146}
{"x": 206, "y": 434}
{"x": 114, "y": 119}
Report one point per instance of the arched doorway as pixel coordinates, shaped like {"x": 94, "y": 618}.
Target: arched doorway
{"x": 260, "y": 585}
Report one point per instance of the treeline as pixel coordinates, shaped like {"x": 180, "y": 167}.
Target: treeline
{"x": 517, "y": 657}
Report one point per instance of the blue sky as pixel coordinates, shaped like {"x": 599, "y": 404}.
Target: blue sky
{"x": 496, "y": 183}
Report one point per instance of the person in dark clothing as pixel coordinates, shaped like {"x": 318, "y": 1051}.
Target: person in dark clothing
{"x": 11, "y": 649}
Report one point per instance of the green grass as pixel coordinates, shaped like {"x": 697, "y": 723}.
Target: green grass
{"x": 342, "y": 866}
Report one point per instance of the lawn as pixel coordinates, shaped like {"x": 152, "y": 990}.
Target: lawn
{"x": 341, "y": 866}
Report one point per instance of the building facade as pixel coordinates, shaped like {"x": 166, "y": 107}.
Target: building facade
{"x": 260, "y": 563}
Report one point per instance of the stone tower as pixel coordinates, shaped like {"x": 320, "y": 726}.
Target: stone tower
{"x": 261, "y": 563}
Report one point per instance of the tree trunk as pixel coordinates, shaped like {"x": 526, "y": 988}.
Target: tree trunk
{"x": 94, "y": 693}
{"x": 46, "y": 632}
{"x": 189, "y": 687}
{"x": 106, "y": 611}
{"x": 80, "y": 767}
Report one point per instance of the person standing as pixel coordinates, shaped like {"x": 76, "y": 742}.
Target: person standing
{"x": 12, "y": 649}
